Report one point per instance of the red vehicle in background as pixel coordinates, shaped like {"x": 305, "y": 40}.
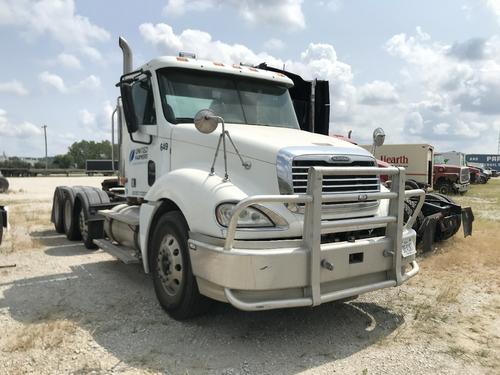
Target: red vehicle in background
{"x": 451, "y": 178}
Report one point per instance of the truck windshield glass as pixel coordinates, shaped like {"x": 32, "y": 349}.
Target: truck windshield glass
{"x": 237, "y": 100}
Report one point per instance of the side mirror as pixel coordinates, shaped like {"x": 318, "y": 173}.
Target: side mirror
{"x": 206, "y": 121}
{"x": 378, "y": 137}
{"x": 128, "y": 107}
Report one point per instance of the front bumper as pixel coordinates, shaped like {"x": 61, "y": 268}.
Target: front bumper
{"x": 461, "y": 188}
{"x": 259, "y": 275}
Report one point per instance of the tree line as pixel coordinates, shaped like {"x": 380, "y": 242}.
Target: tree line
{"x": 76, "y": 156}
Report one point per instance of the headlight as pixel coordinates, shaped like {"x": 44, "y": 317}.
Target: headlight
{"x": 250, "y": 217}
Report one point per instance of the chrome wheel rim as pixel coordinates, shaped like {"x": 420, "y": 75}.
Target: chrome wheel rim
{"x": 170, "y": 265}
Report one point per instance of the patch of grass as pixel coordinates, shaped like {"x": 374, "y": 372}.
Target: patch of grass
{"x": 45, "y": 335}
{"x": 449, "y": 294}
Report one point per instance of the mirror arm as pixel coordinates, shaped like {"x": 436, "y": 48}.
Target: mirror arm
{"x": 141, "y": 142}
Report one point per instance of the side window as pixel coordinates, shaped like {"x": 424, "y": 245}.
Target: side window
{"x": 144, "y": 104}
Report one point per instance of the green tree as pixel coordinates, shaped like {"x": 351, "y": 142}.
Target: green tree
{"x": 81, "y": 151}
{"x": 63, "y": 161}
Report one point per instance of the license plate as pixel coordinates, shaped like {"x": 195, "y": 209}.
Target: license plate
{"x": 408, "y": 248}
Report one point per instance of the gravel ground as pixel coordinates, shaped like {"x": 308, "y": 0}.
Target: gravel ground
{"x": 65, "y": 309}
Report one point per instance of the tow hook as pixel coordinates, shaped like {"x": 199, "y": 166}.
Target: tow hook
{"x": 326, "y": 264}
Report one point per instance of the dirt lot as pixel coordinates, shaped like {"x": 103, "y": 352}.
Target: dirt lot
{"x": 64, "y": 309}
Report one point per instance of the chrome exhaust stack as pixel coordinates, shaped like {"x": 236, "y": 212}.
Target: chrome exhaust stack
{"x": 128, "y": 59}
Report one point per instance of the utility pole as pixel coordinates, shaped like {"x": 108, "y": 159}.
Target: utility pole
{"x": 46, "y": 158}
{"x": 498, "y": 148}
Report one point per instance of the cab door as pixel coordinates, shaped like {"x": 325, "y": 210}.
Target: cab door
{"x": 140, "y": 168}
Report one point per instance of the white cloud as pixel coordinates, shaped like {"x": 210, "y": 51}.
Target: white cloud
{"x": 56, "y": 82}
{"x": 441, "y": 128}
{"x": 86, "y": 117}
{"x": 459, "y": 86}
{"x": 274, "y": 44}
{"x": 317, "y": 61}
{"x": 281, "y": 13}
{"x": 56, "y": 18}
{"x": 13, "y": 87}
{"x": 179, "y": 7}
{"x": 414, "y": 123}
{"x": 333, "y": 5}
{"x": 69, "y": 61}
{"x": 378, "y": 93}
{"x": 23, "y": 131}
{"x": 92, "y": 82}
{"x": 494, "y": 7}
{"x": 97, "y": 124}
{"x": 53, "y": 81}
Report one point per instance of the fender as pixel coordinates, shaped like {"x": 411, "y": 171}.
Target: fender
{"x": 89, "y": 196}
{"x": 183, "y": 187}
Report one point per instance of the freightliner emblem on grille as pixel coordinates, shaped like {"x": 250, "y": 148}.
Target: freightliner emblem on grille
{"x": 341, "y": 158}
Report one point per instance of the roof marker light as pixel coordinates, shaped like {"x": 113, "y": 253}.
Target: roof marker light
{"x": 187, "y": 54}
{"x": 182, "y": 59}
{"x": 218, "y": 64}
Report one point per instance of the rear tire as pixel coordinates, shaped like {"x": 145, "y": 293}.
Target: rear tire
{"x": 71, "y": 220}
{"x": 84, "y": 230}
{"x": 1, "y": 229}
{"x": 174, "y": 282}
{"x": 58, "y": 207}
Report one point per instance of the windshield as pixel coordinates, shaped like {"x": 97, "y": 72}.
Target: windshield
{"x": 236, "y": 99}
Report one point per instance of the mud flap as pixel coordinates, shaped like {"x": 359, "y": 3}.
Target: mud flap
{"x": 429, "y": 230}
{"x": 467, "y": 219}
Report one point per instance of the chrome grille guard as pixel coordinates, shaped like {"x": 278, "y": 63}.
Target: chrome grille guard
{"x": 313, "y": 227}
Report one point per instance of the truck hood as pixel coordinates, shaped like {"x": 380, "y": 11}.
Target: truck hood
{"x": 263, "y": 142}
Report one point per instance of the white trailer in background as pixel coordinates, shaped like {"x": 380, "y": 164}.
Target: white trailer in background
{"x": 417, "y": 159}
{"x": 450, "y": 157}
{"x": 225, "y": 198}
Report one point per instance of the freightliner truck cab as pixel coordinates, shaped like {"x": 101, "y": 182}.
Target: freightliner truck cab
{"x": 223, "y": 197}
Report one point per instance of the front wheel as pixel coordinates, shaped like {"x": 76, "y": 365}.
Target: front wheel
{"x": 445, "y": 189}
{"x": 174, "y": 282}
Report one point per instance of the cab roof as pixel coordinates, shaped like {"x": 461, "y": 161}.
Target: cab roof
{"x": 211, "y": 66}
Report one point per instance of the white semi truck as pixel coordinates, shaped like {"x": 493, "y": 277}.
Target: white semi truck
{"x": 221, "y": 196}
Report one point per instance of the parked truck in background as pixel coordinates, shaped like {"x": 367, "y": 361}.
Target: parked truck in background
{"x": 450, "y": 178}
{"x": 102, "y": 166}
{"x": 226, "y": 198}
{"x": 491, "y": 161}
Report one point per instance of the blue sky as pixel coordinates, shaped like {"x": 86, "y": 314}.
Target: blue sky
{"x": 426, "y": 71}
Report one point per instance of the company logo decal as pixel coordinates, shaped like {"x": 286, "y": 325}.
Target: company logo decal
{"x": 340, "y": 158}
{"x": 138, "y": 154}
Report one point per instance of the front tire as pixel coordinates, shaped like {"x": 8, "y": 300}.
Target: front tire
{"x": 174, "y": 282}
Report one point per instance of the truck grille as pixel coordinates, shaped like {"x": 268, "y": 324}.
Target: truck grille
{"x": 335, "y": 184}
{"x": 464, "y": 175}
